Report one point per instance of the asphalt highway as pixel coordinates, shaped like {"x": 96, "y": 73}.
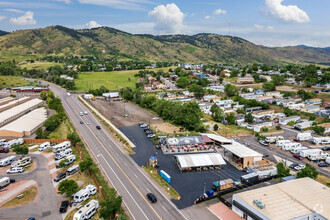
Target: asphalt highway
{"x": 121, "y": 171}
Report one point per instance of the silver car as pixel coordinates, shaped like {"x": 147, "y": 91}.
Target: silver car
{"x": 15, "y": 170}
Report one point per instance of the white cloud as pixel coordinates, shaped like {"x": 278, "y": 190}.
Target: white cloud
{"x": 14, "y": 10}
{"x": 289, "y": 14}
{"x": 92, "y": 24}
{"x": 167, "y": 19}
{"x": 26, "y": 19}
{"x": 120, "y": 4}
{"x": 258, "y": 26}
{"x": 270, "y": 28}
{"x": 65, "y": 1}
{"x": 207, "y": 17}
{"x": 2, "y": 17}
{"x": 220, "y": 11}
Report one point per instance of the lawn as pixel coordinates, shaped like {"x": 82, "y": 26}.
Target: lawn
{"x": 39, "y": 65}
{"x": 62, "y": 131}
{"x": 11, "y": 81}
{"x": 29, "y": 196}
{"x": 323, "y": 179}
{"x": 113, "y": 80}
{"x": 225, "y": 130}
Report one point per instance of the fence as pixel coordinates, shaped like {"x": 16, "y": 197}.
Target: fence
{"x": 97, "y": 184}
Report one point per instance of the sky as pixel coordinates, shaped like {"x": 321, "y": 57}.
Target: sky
{"x": 263, "y": 22}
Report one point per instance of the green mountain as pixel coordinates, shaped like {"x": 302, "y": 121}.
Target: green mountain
{"x": 111, "y": 43}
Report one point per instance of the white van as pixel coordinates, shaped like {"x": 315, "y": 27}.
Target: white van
{"x": 87, "y": 211}
{"x": 70, "y": 158}
{"x": 7, "y": 161}
{"x": 25, "y": 161}
{"x": 44, "y": 146}
{"x": 63, "y": 154}
{"x": 62, "y": 146}
{"x": 85, "y": 193}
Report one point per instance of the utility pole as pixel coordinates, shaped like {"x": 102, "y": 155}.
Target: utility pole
{"x": 204, "y": 187}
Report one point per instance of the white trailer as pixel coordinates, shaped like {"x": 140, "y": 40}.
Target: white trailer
{"x": 7, "y": 161}
{"x": 273, "y": 139}
{"x": 298, "y": 149}
{"x": 305, "y": 153}
{"x": 327, "y": 160}
{"x": 280, "y": 143}
{"x": 44, "y": 146}
{"x": 25, "y": 161}
{"x": 289, "y": 146}
{"x": 87, "y": 211}
{"x": 318, "y": 156}
{"x": 85, "y": 193}
{"x": 304, "y": 136}
{"x": 320, "y": 140}
{"x": 62, "y": 146}
{"x": 63, "y": 154}
{"x": 70, "y": 159}
{"x": 5, "y": 181}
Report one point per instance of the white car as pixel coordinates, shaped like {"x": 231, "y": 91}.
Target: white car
{"x": 299, "y": 167}
{"x": 15, "y": 170}
{"x": 155, "y": 118}
{"x": 88, "y": 123}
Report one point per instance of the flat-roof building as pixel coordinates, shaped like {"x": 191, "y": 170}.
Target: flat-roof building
{"x": 199, "y": 161}
{"x": 17, "y": 111}
{"x": 295, "y": 199}
{"x": 25, "y": 125}
{"x": 13, "y": 103}
{"x": 6, "y": 100}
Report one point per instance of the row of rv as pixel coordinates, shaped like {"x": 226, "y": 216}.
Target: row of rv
{"x": 12, "y": 160}
{"x": 8, "y": 144}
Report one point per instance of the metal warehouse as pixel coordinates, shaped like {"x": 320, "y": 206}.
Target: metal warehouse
{"x": 17, "y": 111}
{"x": 13, "y": 103}
{"x": 25, "y": 125}
{"x": 199, "y": 161}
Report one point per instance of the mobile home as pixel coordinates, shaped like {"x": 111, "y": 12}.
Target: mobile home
{"x": 87, "y": 211}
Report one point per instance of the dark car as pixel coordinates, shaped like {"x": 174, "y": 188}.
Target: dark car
{"x": 325, "y": 90}
{"x": 98, "y": 127}
{"x": 317, "y": 91}
{"x": 265, "y": 155}
{"x": 64, "y": 206}
{"x": 263, "y": 142}
{"x": 31, "y": 218}
{"x": 152, "y": 197}
{"x": 12, "y": 180}
{"x": 60, "y": 177}
{"x": 326, "y": 148}
{"x": 81, "y": 122}
{"x": 4, "y": 150}
{"x": 323, "y": 165}
{"x": 292, "y": 166}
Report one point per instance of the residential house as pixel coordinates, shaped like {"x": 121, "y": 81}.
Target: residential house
{"x": 275, "y": 94}
{"x": 311, "y": 109}
{"x": 253, "y": 109}
{"x": 268, "y": 78}
{"x": 248, "y": 79}
{"x": 259, "y": 92}
{"x": 326, "y": 126}
{"x": 219, "y": 88}
{"x": 297, "y": 106}
{"x": 263, "y": 114}
{"x": 262, "y": 98}
{"x": 286, "y": 120}
{"x": 313, "y": 101}
{"x": 257, "y": 126}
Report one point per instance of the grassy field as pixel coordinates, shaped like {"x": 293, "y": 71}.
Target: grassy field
{"x": 113, "y": 80}
{"x": 29, "y": 196}
{"x": 323, "y": 179}
{"x": 39, "y": 65}
{"x": 11, "y": 81}
{"x": 62, "y": 131}
{"x": 232, "y": 130}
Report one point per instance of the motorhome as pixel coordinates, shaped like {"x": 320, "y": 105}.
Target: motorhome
{"x": 297, "y": 149}
{"x": 4, "y": 181}
{"x": 62, "y": 146}
{"x": 72, "y": 170}
{"x": 7, "y": 161}
{"x": 63, "y": 154}
{"x": 320, "y": 140}
{"x": 85, "y": 193}
{"x": 273, "y": 139}
{"x": 280, "y": 143}
{"x": 87, "y": 211}
{"x": 318, "y": 156}
{"x": 69, "y": 160}
{"x": 18, "y": 141}
{"x": 305, "y": 153}
{"x": 304, "y": 136}
{"x": 289, "y": 146}
{"x": 44, "y": 146}
{"x": 25, "y": 161}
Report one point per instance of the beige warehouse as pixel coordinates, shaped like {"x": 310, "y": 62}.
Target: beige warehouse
{"x": 26, "y": 125}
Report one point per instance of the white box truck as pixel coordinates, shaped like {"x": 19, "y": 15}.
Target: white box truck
{"x": 4, "y": 181}
{"x": 85, "y": 193}
{"x": 87, "y": 211}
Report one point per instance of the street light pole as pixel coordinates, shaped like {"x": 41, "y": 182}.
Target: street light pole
{"x": 204, "y": 187}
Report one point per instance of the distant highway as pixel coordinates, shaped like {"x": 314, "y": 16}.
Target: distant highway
{"x": 121, "y": 171}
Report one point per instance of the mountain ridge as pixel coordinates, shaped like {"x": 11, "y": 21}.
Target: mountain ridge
{"x": 113, "y": 43}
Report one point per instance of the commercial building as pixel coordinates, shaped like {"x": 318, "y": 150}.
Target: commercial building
{"x": 187, "y": 141}
{"x": 199, "y": 161}
{"x": 299, "y": 199}
{"x": 13, "y": 103}
{"x": 25, "y": 125}
{"x": 17, "y": 111}
{"x": 6, "y": 100}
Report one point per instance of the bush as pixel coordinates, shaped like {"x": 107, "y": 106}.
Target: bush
{"x": 291, "y": 123}
{"x": 20, "y": 149}
{"x": 215, "y": 127}
{"x": 282, "y": 171}
{"x": 278, "y": 127}
{"x": 68, "y": 187}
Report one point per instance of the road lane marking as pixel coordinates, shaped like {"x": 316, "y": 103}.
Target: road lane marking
{"x": 118, "y": 165}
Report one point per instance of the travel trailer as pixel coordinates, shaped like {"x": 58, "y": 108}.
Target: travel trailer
{"x": 280, "y": 143}
{"x": 288, "y": 146}
{"x": 73, "y": 169}
{"x": 4, "y": 181}
{"x": 305, "y": 153}
{"x": 70, "y": 159}
{"x": 320, "y": 140}
{"x": 44, "y": 146}
{"x": 318, "y": 156}
{"x": 304, "y": 136}
{"x": 273, "y": 139}
{"x": 63, "y": 154}
{"x": 62, "y": 146}
{"x": 298, "y": 149}
{"x": 25, "y": 161}
{"x": 7, "y": 161}
{"x": 85, "y": 193}
{"x": 87, "y": 211}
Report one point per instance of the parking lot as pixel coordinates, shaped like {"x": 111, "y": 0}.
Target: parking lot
{"x": 188, "y": 184}
{"x": 45, "y": 205}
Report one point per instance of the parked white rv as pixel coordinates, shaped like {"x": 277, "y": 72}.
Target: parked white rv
{"x": 62, "y": 146}
{"x": 7, "y": 161}
{"x": 44, "y": 146}
{"x": 18, "y": 141}
{"x": 63, "y": 154}
{"x": 25, "y": 161}
{"x": 87, "y": 211}
{"x": 327, "y": 160}
{"x": 280, "y": 143}
{"x": 297, "y": 149}
{"x": 73, "y": 169}
{"x": 320, "y": 140}
{"x": 70, "y": 159}
{"x": 318, "y": 156}
{"x": 5, "y": 181}
{"x": 289, "y": 146}
{"x": 273, "y": 139}
{"x": 85, "y": 193}
{"x": 304, "y": 136}
{"x": 305, "y": 153}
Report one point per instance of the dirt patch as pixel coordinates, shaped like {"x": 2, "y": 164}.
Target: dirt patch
{"x": 286, "y": 88}
{"x": 166, "y": 128}
{"x": 116, "y": 111}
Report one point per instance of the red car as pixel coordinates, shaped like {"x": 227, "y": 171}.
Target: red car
{"x": 298, "y": 156}
{"x": 4, "y": 150}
